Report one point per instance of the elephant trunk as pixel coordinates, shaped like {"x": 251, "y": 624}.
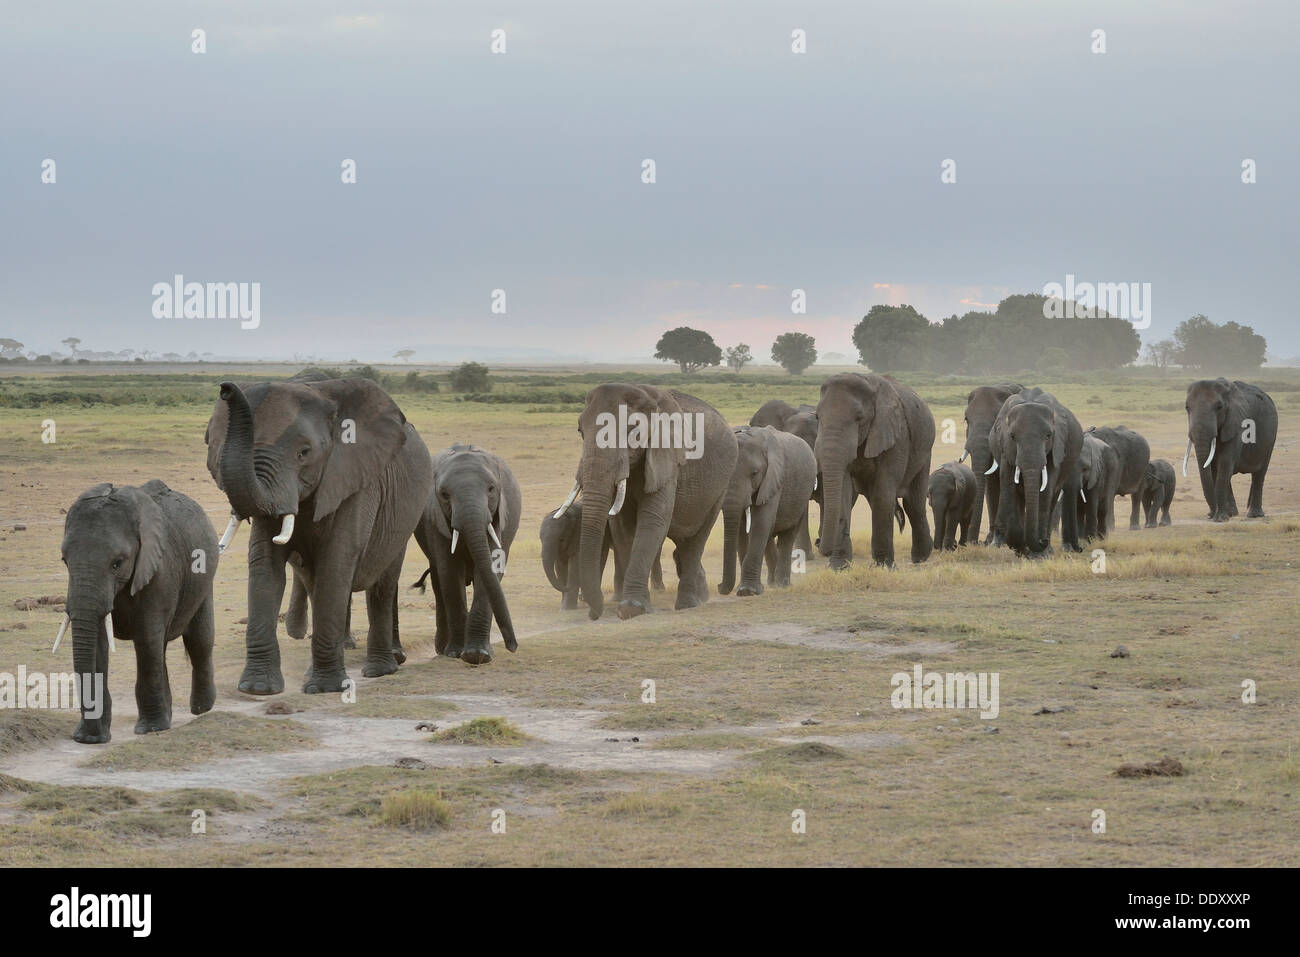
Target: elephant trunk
{"x": 88, "y": 608}
{"x": 1206, "y": 440}
{"x": 248, "y": 493}
{"x": 485, "y": 579}
{"x": 980, "y": 459}
{"x": 733, "y": 512}
{"x": 595, "y": 514}
{"x": 1031, "y": 478}
{"x": 833, "y": 456}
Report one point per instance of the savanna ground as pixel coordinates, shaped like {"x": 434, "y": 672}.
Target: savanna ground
{"x": 762, "y": 705}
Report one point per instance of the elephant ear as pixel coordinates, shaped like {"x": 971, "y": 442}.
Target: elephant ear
{"x": 1237, "y": 412}
{"x": 432, "y": 506}
{"x": 214, "y": 437}
{"x": 503, "y": 504}
{"x": 149, "y": 528}
{"x": 661, "y": 465}
{"x": 364, "y": 413}
{"x": 889, "y": 423}
{"x": 774, "y": 476}
{"x": 1090, "y": 464}
{"x": 1059, "y": 430}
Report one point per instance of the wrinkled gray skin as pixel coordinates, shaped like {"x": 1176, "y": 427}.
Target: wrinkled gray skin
{"x": 1158, "y": 492}
{"x": 1034, "y": 432}
{"x": 951, "y": 494}
{"x": 801, "y": 421}
{"x": 561, "y": 538}
{"x": 874, "y": 438}
{"x": 982, "y": 407}
{"x": 1134, "y": 454}
{"x": 296, "y": 622}
{"x": 773, "y": 479}
{"x": 134, "y": 552}
{"x": 1098, "y": 473}
{"x": 340, "y": 457}
{"x": 1216, "y": 412}
{"x": 472, "y": 489}
{"x": 667, "y": 495}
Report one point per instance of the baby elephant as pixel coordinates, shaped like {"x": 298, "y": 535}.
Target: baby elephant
{"x": 951, "y": 496}
{"x": 765, "y": 507}
{"x": 140, "y": 566}
{"x": 1158, "y": 492}
{"x": 466, "y": 530}
{"x": 561, "y": 544}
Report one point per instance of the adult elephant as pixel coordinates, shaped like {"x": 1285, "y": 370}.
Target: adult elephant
{"x": 340, "y": 455}
{"x": 1134, "y": 455}
{"x": 659, "y": 461}
{"x": 874, "y": 438}
{"x": 765, "y": 507}
{"x": 982, "y": 407}
{"x": 951, "y": 494}
{"x": 1036, "y": 442}
{"x": 475, "y": 504}
{"x": 561, "y": 536}
{"x": 1233, "y": 426}
{"x": 800, "y": 421}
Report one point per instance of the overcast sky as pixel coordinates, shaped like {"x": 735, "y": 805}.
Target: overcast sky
{"x": 522, "y": 171}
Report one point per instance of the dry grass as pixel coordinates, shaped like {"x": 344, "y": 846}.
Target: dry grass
{"x": 417, "y": 810}
{"x": 497, "y": 732}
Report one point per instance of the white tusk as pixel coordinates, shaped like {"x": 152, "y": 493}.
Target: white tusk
{"x": 229, "y": 534}
{"x": 1185, "y": 455}
{"x": 1042, "y": 486}
{"x": 108, "y": 626}
{"x": 492, "y": 534}
{"x": 1016, "y": 477}
{"x": 747, "y": 519}
{"x": 814, "y": 483}
{"x": 286, "y": 530}
{"x": 1082, "y": 495}
{"x": 1059, "y": 496}
{"x": 964, "y": 453}
{"x": 992, "y": 468}
{"x": 619, "y": 495}
{"x": 59, "y": 637}
{"x": 455, "y": 537}
{"x": 1214, "y": 443}
{"x": 577, "y": 487}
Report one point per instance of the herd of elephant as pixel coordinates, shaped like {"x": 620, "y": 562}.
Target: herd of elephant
{"x": 334, "y": 481}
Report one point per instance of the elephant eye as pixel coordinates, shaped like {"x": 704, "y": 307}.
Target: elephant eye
{"x": 304, "y": 452}
{"x": 117, "y": 563}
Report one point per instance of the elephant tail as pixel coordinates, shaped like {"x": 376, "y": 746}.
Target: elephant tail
{"x": 898, "y": 514}
{"x": 420, "y": 583}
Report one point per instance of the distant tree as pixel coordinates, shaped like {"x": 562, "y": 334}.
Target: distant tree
{"x": 1161, "y": 354}
{"x": 738, "y": 357}
{"x": 892, "y": 338}
{"x": 72, "y": 342}
{"x": 10, "y": 348}
{"x": 690, "y": 348}
{"x": 794, "y": 351}
{"x": 1201, "y": 344}
{"x": 404, "y": 354}
{"x": 413, "y": 383}
{"x": 44, "y": 359}
{"x": 367, "y": 372}
{"x": 471, "y": 377}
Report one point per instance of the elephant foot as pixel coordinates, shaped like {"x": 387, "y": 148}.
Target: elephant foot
{"x": 380, "y": 665}
{"x": 350, "y": 640}
{"x": 1133, "y": 526}
{"x": 201, "y": 701}
{"x": 631, "y": 608}
{"x": 569, "y": 603}
{"x": 399, "y": 653}
{"x": 476, "y": 655}
{"x": 724, "y": 588}
{"x": 1165, "y": 521}
{"x": 840, "y": 565}
{"x": 320, "y": 681}
{"x": 1071, "y": 547}
{"x": 256, "y": 680}
{"x": 148, "y": 725}
{"x": 657, "y": 584}
{"x": 687, "y": 599}
{"x": 745, "y": 591}
{"x": 92, "y": 732}
{"x": 295, "y": 626}
{"x": 1254, "y": 513}
{"x": 1219, "y": 517}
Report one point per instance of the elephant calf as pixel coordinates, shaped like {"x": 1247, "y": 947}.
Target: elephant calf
{"x": 951, "y": 495}
{"x": 1134, "y": 453}
{"x": 475, "y": 498}
{"x": 141, "y": 562}
{"x": 765, "y": 506}
{"x": 561, "y": 535}
{"x": 1158, "y": 492}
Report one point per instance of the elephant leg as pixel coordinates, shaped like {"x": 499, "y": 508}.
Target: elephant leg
{"x": 882, "y": 527}
{"x": 762, "y": 518}
{"x": 199, "y": 637}
{"x": 1255, "y": 501}
{"x": 331, "y": 600}
{"x": 295, "y": 619}
{"x": 381, "y": 609}
{"x": 1232, "y": 498}
{"x": 1134, "y": 514}
{"x": 652, "y": 519}
{"x": 965, "y": 524}
{"x": 941, "y": 527}
{"x": 769, "y": 556}
{"x": 784, "y": 548}
{"x": 657, "y": 573}
{"x": 477, "y": 647}
{"x": 1226, "y": 505}
{"x": 153, "y": 691}
{"x": 266, "y": 562}
{"x": 399, "y": 652}
{"x": 999, "y": 508}
{"x": 451, "y": 595}
{"x": 693, "y": 586}
{"x": 570, "y": 600}
{"x": 914, "y": 508}
{"x": 1070, "y": 490}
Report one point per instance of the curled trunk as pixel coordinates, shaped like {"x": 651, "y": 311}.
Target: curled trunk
{"x": 550, "y": 558}
{"x": 247, "y": 492}
{"x": 485, "y": 579}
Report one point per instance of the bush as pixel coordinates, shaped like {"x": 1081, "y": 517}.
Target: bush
{"x": 471, "y": 377}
